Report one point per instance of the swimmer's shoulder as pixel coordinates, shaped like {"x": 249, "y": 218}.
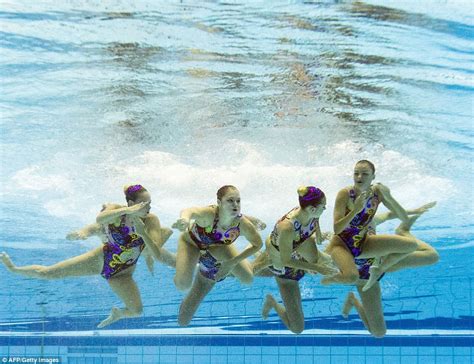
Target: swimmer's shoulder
{"x": 151, "y": 219}
{"x": 380, "y": 190}
{"x": 344, "y": 193}
{"x": 284, "y": 225}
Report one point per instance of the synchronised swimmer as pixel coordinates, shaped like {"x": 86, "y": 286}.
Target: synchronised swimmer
{"x": 356, "y": 255}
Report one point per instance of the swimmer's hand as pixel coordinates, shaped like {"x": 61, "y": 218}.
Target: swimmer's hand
{"x": 150, "y": 263}
{"x": 139, "y": 225}
{"x": 424, "y": 208}
{"x": 77, "y": 235}
{"x": 327, "y": 235}
{"x": 259, "y": 224}
{"x": 360, "y": 201}
{"x": 141, "y": 208}
{"x": 225, "y": 267}
{"x": 181, "y": 224}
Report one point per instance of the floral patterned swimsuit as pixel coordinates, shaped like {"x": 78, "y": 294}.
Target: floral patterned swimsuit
{"x": 304, "y": 233}
{"x": 356, "y": 232}
{"x": 204, "y": 237}
{"x": 122, "y": 249}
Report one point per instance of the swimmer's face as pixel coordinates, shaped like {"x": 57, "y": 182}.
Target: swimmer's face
{"x": 230, "y": 203}
{"x": 317, "y": 211}
{"x": 363, "y": 175}
{"x": 142, "y": 197}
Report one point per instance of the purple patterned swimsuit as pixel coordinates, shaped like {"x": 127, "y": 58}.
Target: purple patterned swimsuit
{"x": 355, "y": 234}
{"x": 304, "y": 233}
{"x": 204, "y": 237}
{"x": 122, "y": 249}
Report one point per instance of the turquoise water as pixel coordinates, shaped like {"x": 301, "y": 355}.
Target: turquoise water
{"x": 185, "y": 97}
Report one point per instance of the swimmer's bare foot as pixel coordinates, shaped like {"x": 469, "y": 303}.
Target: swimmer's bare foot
{"x": 268, "y": 305}
{"x": 165, "y": 234}
{"x": 326, "y": 269}
{"x": 375, "y": 273}
{"x": 5, "y": 259}
{"x": 327, "y": 280}
{"x": 404, "y": 228}
{"x": 326, "y": 265}
{"x": 348, "y": 304}
{"x": 115, "y": 315}
{"x": 424, "y": 208}
{"x": 261, "y": 262}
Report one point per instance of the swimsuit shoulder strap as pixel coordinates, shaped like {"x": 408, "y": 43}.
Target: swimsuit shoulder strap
{"x": 289, "y": 212}
{"x": 374, "y": 191}
{"x": 216, "y": 217}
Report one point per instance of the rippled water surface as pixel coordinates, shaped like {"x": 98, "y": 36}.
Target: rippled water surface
{"x": 185, "y": 97}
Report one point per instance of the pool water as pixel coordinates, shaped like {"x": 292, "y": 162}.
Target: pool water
{"x": 184, "y": 97}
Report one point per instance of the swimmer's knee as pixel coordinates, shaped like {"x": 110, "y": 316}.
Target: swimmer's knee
{"x": 379, "y": 333}
{"x": 411, "y": 245}
{"x": 247, "y": 279}
{"x": 182, "y": 321}
{"x": 183, "y": 317}
{"x": 433, "y": 257}
{"x": 297, "y": 328}
{"x": 350, "y": 277}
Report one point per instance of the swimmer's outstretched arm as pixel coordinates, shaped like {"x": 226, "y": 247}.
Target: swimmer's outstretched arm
{"x": 203, "y": 216}
{"x": 109, "y": 213}
{"x": 91, "y": 229}
{"x": 85, "y": 232}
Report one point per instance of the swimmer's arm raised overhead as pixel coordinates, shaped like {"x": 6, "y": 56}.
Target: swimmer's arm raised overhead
{"x": 341, "y": 220}
{"x": 390, "y": 202}
{"x": 203, "y": 216}
{"x": 111, "y": 212}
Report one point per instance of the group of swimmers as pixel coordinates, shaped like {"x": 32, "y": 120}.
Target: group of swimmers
{"x": 355, "y": 255}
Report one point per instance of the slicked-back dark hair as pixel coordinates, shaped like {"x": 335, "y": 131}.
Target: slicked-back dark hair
{"x": 369, "y": 163}
{"x": 221, "y": 192}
